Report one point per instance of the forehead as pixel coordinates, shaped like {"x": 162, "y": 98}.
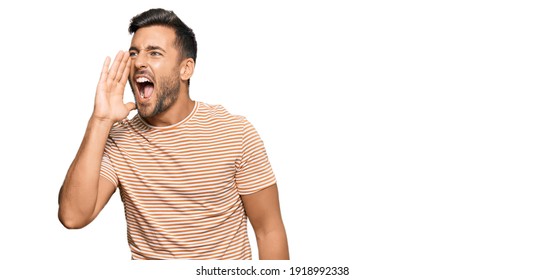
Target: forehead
{"x": 155, "y": 35}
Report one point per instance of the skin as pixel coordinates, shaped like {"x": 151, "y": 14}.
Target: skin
{"x": 153, "y": 53}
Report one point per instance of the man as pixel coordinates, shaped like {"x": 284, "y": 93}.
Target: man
{"x": 188, "y": 172}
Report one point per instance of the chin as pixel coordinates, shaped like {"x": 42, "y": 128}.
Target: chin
{"x": 145, "y": 111}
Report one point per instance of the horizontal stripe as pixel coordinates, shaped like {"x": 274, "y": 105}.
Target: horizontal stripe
{"x": 181, "y": 184}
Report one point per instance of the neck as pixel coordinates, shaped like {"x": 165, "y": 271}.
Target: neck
{"x": 178, "y": 111}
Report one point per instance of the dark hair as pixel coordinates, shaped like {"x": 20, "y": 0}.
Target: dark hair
{"x": 185, "y": 38}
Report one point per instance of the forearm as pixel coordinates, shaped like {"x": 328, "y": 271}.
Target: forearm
{"x": 273, "y": 245}
{"x": 78, "y": 195}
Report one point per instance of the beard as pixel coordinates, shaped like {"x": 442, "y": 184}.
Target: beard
{"x": 166, "y": 91}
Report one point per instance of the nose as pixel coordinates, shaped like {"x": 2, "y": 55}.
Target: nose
{"x": 140, "y": 61}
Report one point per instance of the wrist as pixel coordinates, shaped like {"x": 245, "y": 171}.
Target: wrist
{"x": 101, "y": 122}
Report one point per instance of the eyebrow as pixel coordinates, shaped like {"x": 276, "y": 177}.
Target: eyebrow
{"x": 148, "y": 48}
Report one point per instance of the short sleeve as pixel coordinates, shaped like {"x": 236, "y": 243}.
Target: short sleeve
{"x": 107, "y": 171}
{"x": 254, "y": 171}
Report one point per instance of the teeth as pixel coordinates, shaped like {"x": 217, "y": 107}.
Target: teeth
{"x": 142, "y": 80}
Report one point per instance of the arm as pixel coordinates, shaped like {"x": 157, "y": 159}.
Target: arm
{"x": 263, "y": 211}
{"x": 84, "y": 193}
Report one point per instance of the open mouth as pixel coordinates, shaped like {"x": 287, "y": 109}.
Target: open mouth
{"x": 145, "y": 87}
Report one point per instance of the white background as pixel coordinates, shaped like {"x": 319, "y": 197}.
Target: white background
{"x": 406, "y": 136}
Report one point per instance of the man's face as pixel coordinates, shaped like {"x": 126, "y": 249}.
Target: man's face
{"x": 155, "y": 72}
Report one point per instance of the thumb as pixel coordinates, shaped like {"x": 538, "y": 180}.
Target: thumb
{"x": 130, "y": 106}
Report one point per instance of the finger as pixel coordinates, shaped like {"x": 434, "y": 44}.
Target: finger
{"x": 105, "y": 67}
{"x": 126, "y": 70}
{"x": 122, "y": 67}
{"x": 130, "y": 106}
{"x": 113, "y": 70}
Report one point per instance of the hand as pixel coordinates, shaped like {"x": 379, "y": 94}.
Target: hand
{"x": 108, "y": 103}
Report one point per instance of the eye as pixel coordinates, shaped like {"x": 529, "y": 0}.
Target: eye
{"x": 155, "y": 53}
{"x": 132, "y": 54}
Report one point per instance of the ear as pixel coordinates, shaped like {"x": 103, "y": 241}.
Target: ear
{"x": 187, "y": 68}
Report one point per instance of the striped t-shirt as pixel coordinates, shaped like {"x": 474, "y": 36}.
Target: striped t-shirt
{"x": 181, "y": 184}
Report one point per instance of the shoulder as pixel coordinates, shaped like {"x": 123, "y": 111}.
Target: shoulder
{"x": 127, "y": 127}
{"x": 119, "y": 128}
{"x": 220, "y": 119}
{"x": 219, "y": 114}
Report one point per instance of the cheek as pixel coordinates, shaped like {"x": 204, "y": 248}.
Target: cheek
{"x": 132, "y": 68}
{"x": 166, "y": 77}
